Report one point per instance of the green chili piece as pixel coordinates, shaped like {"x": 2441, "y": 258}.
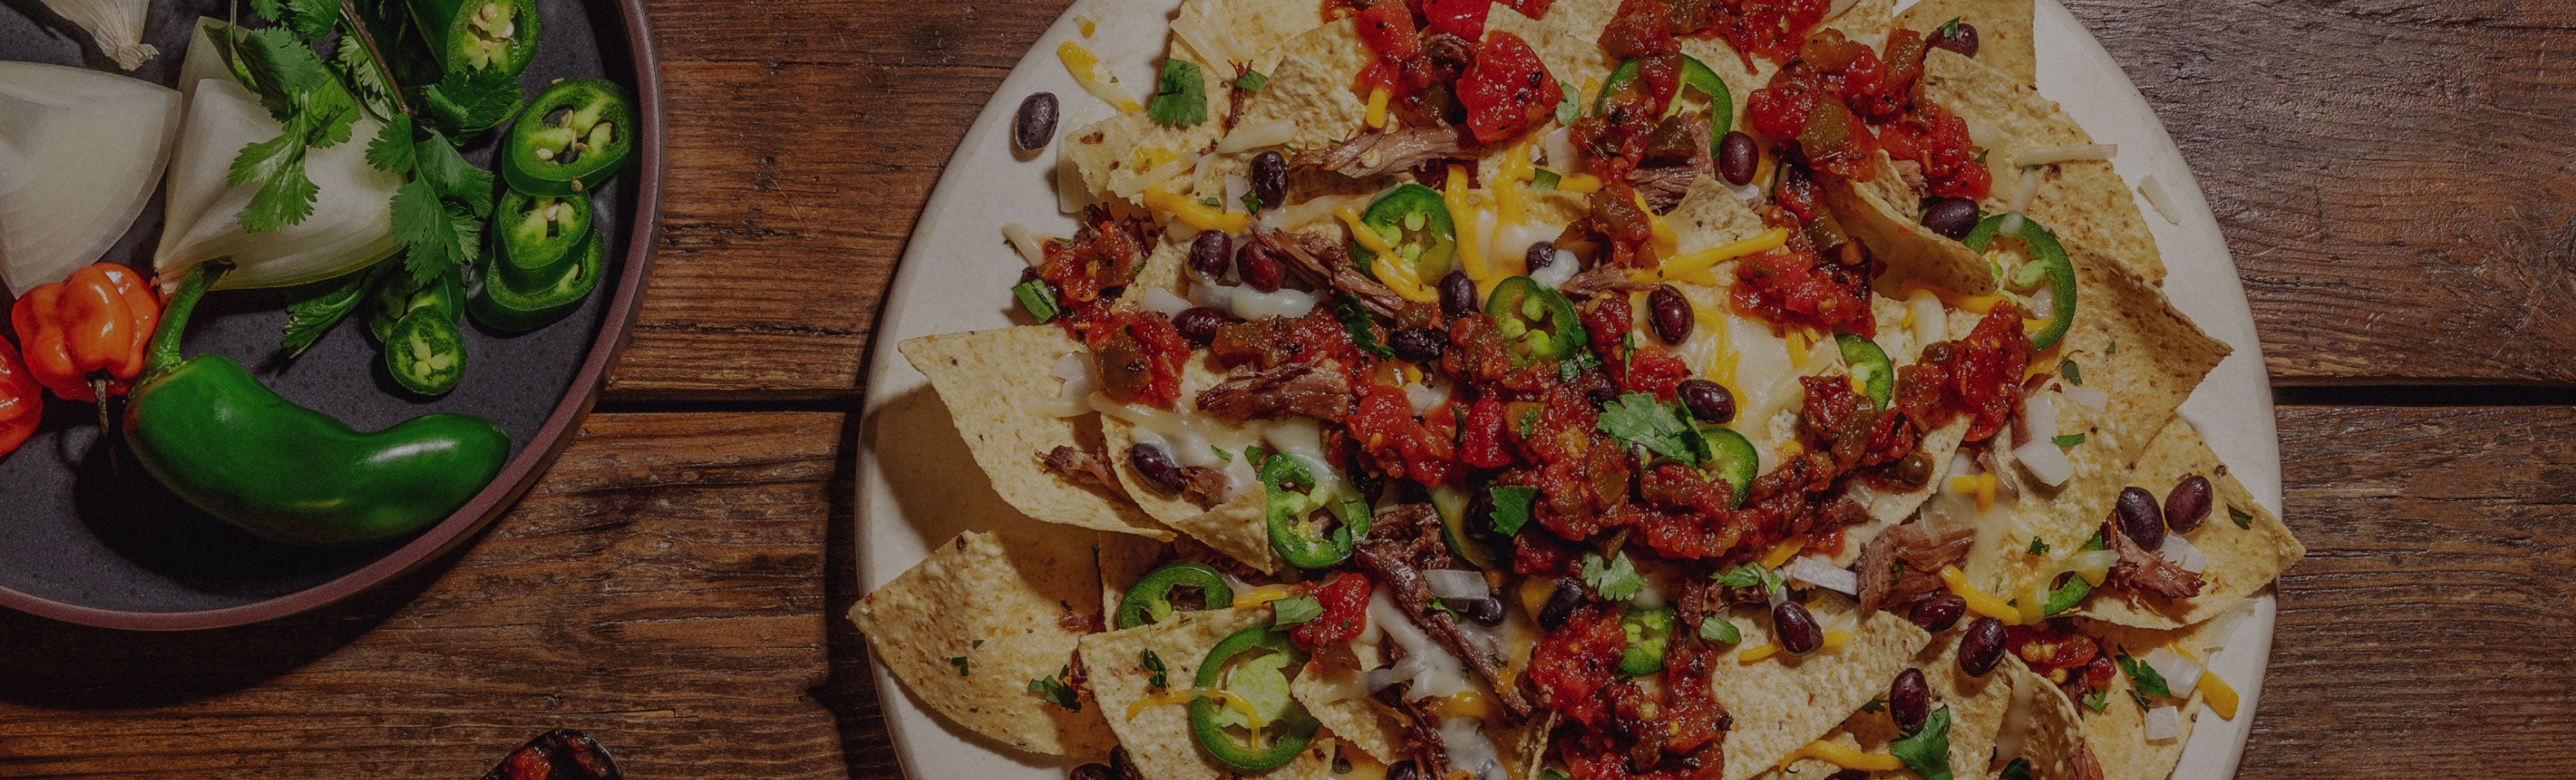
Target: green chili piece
{"x": 1150, "y": 599}
{"x": 1696, "y": 76}
{"x": 573, "y": 138}
{"x": 469, "y": 36}
{"x": 1294, "y": 727}
{"x": 426, "y": 353}
{"x": 537, "y": 233}
{"x": 1302, "y": 542}
{"x": 2048, "y": 264}
{"x": 1539, "y": 322}
{"x": 1868, "y": 363}
{"x": 1734, "y": 460}
{"x": 395, "y": 296}
{"x": 1648, "y": 632}
{"x": 1415, "y": 221}
{"x": 502, "y": 303}
{"x": 1453, "y": 505}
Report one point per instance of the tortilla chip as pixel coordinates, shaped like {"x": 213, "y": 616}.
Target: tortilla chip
{"x": 2063, "y": 517}
{"x": 1977, "y": 708}
{"x": 983, "y": 376}
{"x": 1570, "y": 54}
{"x": 1784, "y": 702}
{"x": 2129, "y": 341}
{"x": 974, "y": 665}
{"x": 2241, "y": 559}
{"x": 1866, "y": 21}
{"x": 2117, "y": 733}
{"x": 1237, "y": 528}
{"x": 1235, "y": 34}
{"x": 1334, "y": 695}
{"x": 1124, "y": 559}
{"x": 1710, "y": 215}
{"x": 2084, "y": 202}
{"x": 1157, "y": 734}
{"x": 2055, "y": 741}
{"x": 1882, "y": 213}
{"x": 1311, "y": 88}
{"x": 2003, "y": 31}
{"x": 1112, "y": 153}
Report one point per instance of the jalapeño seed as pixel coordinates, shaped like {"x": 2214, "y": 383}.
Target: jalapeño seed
{"x": 1457, "y": 295}
{"x": 1709, "y": 402}
{"x": 1198, "y": 324}
{"x": 2140, "y": 519}
{"x": 1258, "y": 264}
{"x": 1796, "y": 628}
{"x": 1909, "y": 699}
{"x": 1212, "y": 254}
{"x": 1670, "y": 313}
{"x": 1420, "y": 345}
{"x": 1034, "y": 126}
{"x": 2188, "y": 504}
{"x": 1982, "y": 647}
{"x": 1270, "y": 178}
{"x": 1561, "y": 604}
{"x": 1739, "y": 158}
{"x": 1156, "y": 466}
{"x": 1950, "y": 217}
{"x": 1937, "y": 612}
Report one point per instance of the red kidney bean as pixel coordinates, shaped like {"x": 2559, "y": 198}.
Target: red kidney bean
{"x": 1156, "y": 466}
{"x": 1540, "y": 255}
{"x": 1198, "y": 324}
{"x": 1739, "y": 158}
{"x": 2140, "y": 518}
{"x": 1258, "y": 264}
{"x": 1709, "y": 402}
{"x": 1670, "y": 313}
{"x": 1982, "y": 647}
{"x": 2188, "y": 504}
{"x": 1561, "y": 604}
{"x": 1269, "y": 179}
{"x": 1796, "y": 628}
{"x": 1937, "y": 612}
{"x": 1094, "y": 772}
{"x": 1952, "y": 217}
{"x": 1212, "y": 254}
{"x": 1486, "y": 611}
{"x": 1034, "y": 125}
{"x": 1909, "y": 699}
{"x": 1961, "y": 38}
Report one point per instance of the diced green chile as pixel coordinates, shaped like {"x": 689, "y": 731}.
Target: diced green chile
{"x": 1415, "y": 221}
{"x": 504, "y": 304}
{"x": 1868, "y": 363}
{"x": 1453, "y": 506}
{"x": 1539, "y": 322}
{"x": 2065, "y": 596}
{"x": 469, "y": 36}
{"x": 2048, "y": 264}
{"x": 1697, "y": 77}
{"x": 1290, "y": 733}
{"x": 1733, "y": 459}
{"x": 1649, "y": 630}
{"x": 1301, "y": 543}
{"x": 1150, "y": 599}
{"x": 574, "y": 136}
{"x": 426, "y": 353}
{"x": 538, "y": 233}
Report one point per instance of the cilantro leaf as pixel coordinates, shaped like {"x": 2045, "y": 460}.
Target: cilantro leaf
{"x": 2038, "y": 546}
{"x": 2072, "y": 372}
{"x": 960, "y": 662}
{"x": 365, "y": 77}
{"x": 1057, "y": 692}
{"x": 1750, "y": 575}
{"x": 2241, "y": 518}
{"x": 1154, "y": 663}
{"x": 1716, "y": 628}
{"x": 1615, "y": 578}
{"x": 1356, "y": 320}
{"x": 456, "y": 180}
{"x": 1927, "y": 750}
{"x": 1637, "y": 418}
{"x": 433, "y": 235}
{"x": 308, "y": 18}
{"x": 284, "y": 195}
{"x": 1038, "y": 299}
{"x": 308, "y": 319}
{"x": 2098, "y": 701}
{"x": 2068, "y": 440}
{"x": 1180, "y": 95}
{"x": 2019, "y": 769}
{"x": 1949, "y": 27}
{"x": 1512, "y": 508}
{"x": 1252, "y": 202}
{"x": 391, "y": 150}
{"x": 1294, "y": 611}
{"x": 1251, "y": 81}
{"x": 472, "y": 102}
{"x": 2143, "y": 677}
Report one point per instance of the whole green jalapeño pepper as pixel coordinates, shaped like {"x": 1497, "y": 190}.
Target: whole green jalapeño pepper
{"x": 1538, "y": 322}
{"x": 1150, "y": 599}
{"x": 574, "y": 136}
{"x": 473, "y": 36}
{"x": 2048, "y": 264}
{"x": 1292, "y": 498}
{"x": 1258, "y": 681}
{"x": 207, "y": 429}
{"x": 1415, "y": 222}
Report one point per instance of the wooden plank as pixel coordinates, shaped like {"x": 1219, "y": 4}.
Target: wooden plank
{"x": 805, "y": 138}
{"x": 661, "y": 589}
{"x": 2392, "y": 177}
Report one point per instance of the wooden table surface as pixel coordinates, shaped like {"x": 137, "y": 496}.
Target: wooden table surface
{"x": 2393, "y": 176}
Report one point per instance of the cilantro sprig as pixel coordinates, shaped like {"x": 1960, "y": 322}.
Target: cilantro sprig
{"x": 1615, "y": 577}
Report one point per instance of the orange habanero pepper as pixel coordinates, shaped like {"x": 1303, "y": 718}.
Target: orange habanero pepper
{"x": 22, "y": 401}
{"x": 87, "y": 331}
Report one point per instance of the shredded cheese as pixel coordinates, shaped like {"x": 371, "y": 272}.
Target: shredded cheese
{"x": 2220, "y": 696}
{"x": 1227, "y": 699}
{"x": 1953, "y": 298}
{"x": 1666, "y": 243}
{"x": 1378, "y": 97}
{"x": 1470, "y": 703}
{"x": 1262, "y": 595}
{"x": 2048, "y": 155}
{"x": 1688, "y": 263}
{"x": 1782, "y": 552}
{"x": 1094, "y": 77}
{"x": 1196, "y": 214}
{"x": 1462, "y": 212}
{"x": 1980, "y": 485}
{"x": 1834, "y": 640}
{"x": 1391, "y": 270}
{"x": 1979, "y": 601}
{"x": 1155, "y": 177}
{"x": 1837, "y": 754}
{"x": 2155, "y": 195}
{"x": 1514, "y": 169}
{"x": 1579, "y": 184}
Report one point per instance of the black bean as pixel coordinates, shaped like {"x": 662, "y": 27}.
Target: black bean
{"x": 1561, "y": 604}
{"x": 1796, "y": 628}
{"x": 1937, "y": 612}
{"x": 1952, "y": 217}
{"x": 1981, "y": 647}
{"x": 1486, "y": 611}
{"x": 1034, "y": 126}
{"x": 1212, "y": 254}
{"x": 1960, "y": 37}
{"x": 1457, "y": 295}
{"x": 1420, "y": 345}
{"x": 1157, "y": 468}
{"x": 2188, "y": 504}
{"x": 1670, "y": 313}
{"x": 1739, "y": 157}
{"x": 1540, "y": 255}
{"x": 1199, "y": 324}
{"x": 2140, "y": 518}
{"x": 1404, "y": 770}
{"x": 1258, "y": 264}
{"x": 1094, "y": 772}
{"x": 1909, "y": 699}
{"x": 1709, "y": 402}
{"x": 1270, "y": 179}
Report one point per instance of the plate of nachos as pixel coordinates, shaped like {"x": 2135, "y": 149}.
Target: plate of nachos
{"x": 1568, "y": 389}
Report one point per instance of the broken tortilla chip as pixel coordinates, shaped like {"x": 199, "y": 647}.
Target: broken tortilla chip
{"x": 984, "y": 376}
{"x": 2084, "y": 201}
{"x": 1338, "y": 700}
{"x": 1882, "y": 213}
{"x": 1783, "y": 702}
{"x": 1033, "y": 599}
{"x": 1311, "y": 88}
{"x": 2003, "y": 31}
{"x": 2130, "y": 342}
{"x": 1233, "y": 34}
{"x": 2247, "y": 546}
{"x": 1152, "y": 722}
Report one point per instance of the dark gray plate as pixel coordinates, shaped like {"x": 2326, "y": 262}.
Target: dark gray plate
{"x": 88, "y": 539}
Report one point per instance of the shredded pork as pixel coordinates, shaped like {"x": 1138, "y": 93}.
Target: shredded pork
{"x": 1083, "y": 468}
{"x": 1292, "y": 390}
{"x": 1902, "y": 563}
{"x": 1382, "y": 152}
{"x": 2141, "y": 569}
{"x": 1386, "y": 561}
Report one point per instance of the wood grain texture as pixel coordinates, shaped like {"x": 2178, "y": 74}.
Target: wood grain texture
{"x": 662, "y": 588}
{"x": 2391, "y": 175}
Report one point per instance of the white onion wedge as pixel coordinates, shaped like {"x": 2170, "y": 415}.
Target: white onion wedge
{"x": 80, "y": 151}
{"x": 350, "y": 228}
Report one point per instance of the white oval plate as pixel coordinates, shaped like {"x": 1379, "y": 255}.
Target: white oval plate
{"x": 957, "y": 273}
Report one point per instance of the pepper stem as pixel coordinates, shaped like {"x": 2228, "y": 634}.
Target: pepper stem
{"x": 174, "y": 316}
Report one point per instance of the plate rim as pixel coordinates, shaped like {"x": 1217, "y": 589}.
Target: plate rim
{"x": 521, "y": 473}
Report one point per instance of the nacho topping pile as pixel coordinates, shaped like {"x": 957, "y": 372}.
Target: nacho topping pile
{"x": 1590, "y": 389}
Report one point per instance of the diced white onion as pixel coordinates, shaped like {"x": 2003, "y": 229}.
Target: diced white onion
{"x": 1163, "y": 302}
{"x": 1457, "y": 584}
{"x": 2180, "y": 672}
{"x": 1069, "y": 401}
{"x": 1649, "y": 596}
{"x": 1249, "y": 137}
{"x": 1199, "y": 176}
{"x": 1425, "y": 398}
{"x": 2045, "y": 461}
{"x": 2024, "y": 189}
{"x": 1030, "y": 248}
{"x": 350, "y": 228}
{"x": 1558, "y": 271}
{"x": 2180, "y": 552}
{"x": 2046, "y": 155}
{"x": 1561, "y": 156}
{"x": 2163, "y": 723}
{"x": 1236, "y": 187}
{"x": 2154, "y": 192}
{"x": 2091, "y": 398}
{"x": 1820, "y": 571}
{"x": 1252, "y": 304}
